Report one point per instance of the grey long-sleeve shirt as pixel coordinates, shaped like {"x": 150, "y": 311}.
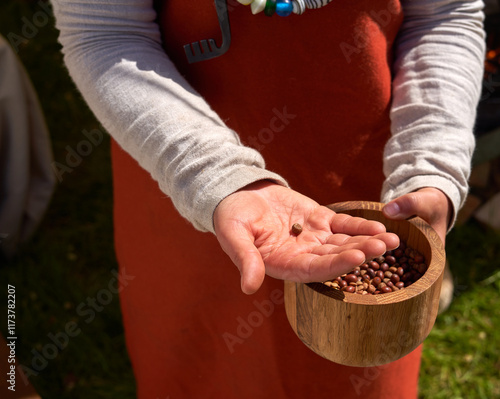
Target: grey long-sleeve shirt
{"x": 197, "y": 160}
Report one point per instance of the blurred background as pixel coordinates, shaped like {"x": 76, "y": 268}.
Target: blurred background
{"x": 68, "y": 327}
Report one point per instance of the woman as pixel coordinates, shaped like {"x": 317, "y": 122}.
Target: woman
{"x": 352, "y": 100}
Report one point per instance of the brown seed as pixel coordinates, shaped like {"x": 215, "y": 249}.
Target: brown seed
{"x": 376, "y": 281}
{"x": 400, "y": 284}
{"x": 380, "y": 274}
{"x": 343, "y": 284}
{"x": 418, "y": 258}
{"x": 374, "y": 265}
{"x": 393, "y": 269}
{"x": 386, "y": 289}
{"x": 390, "y": 260}
{"x": 400, "y": 271}
{"x": 349, "y": 288}
{"x": 380, "y": 259}
{"x": 422, "y": 268}
{"x": 398, "y": 253}
{"x": 384, "y": 266}
{"x": 351, "y": 278}
{"x": 296, "y": 229}
{"x": 371, "y": 289}
{"x": 395, "y": 278}
{"x": 388, "y": 274}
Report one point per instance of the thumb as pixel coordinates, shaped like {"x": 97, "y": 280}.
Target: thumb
{"x": 402, "y": 207}
{"x": 248, "y": 260}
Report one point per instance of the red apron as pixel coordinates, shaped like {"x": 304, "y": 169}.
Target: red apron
{"x": 312, "y": 94}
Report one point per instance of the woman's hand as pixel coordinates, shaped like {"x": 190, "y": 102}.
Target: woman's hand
{"x": 429, "y": 203}
{"x": 253, "y": 226}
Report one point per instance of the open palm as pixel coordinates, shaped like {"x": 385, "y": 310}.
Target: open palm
{"x": 254, "y": 225}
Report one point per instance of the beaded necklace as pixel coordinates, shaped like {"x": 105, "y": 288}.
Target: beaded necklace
{"x": 283, "y": 8}
{"x": 206, "y": 49}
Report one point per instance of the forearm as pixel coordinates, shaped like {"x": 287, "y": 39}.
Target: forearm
{"x": 437, "y": 80}
{"x": 113, "y": 53}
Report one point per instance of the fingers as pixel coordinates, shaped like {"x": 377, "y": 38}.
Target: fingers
{"x": 308, "y": 268}
{"x": 389, "y": 240}
{"x": 340, "y": 255}
{"x": 351, "y": 225}
{"x": 430, "y": 204}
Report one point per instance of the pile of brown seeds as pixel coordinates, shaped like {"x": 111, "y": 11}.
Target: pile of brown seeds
{"x": 393, "y": 271}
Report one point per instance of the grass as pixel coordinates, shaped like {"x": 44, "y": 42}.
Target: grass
{"x": 70, "y": 260}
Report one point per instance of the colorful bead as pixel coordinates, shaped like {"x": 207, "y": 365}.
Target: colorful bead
{"x": 284, "y": 8}
{"x": 270, "y": 7}
{"x": 299, "y": 6}
{"x": 258, "y": 6}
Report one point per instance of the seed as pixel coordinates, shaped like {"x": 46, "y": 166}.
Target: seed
{"x": 418, "y": 258}
{"x": 395, "y": 270}
{"x": 390, "y": 260}
{"x": 398, "y": 253}
{"x": 422, "y": 268}
{"x": 374, "y": 265}
{"x": 376, "y": 281}
{"x": 296, "y": 229}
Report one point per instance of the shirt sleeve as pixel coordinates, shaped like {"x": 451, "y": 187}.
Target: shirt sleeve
{"x": 438, "y": 67}
{"x": 113, "y": 52}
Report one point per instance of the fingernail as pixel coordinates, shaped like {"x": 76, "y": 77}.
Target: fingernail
{"x": 391, "y": 209}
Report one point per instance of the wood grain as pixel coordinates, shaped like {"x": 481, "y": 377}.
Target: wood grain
{"x": 370, "y": 330}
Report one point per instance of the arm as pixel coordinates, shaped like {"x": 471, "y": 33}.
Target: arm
{"x": 438, "y": 69}
{"x": 113, "y": 52}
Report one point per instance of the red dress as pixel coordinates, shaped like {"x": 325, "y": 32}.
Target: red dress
{"x": 312, "y": 94}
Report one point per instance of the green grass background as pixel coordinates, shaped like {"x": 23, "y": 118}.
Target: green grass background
{"x": 71, "y": 258}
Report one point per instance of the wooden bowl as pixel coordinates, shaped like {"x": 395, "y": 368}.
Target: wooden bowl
{"x": 370, "y": 330}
